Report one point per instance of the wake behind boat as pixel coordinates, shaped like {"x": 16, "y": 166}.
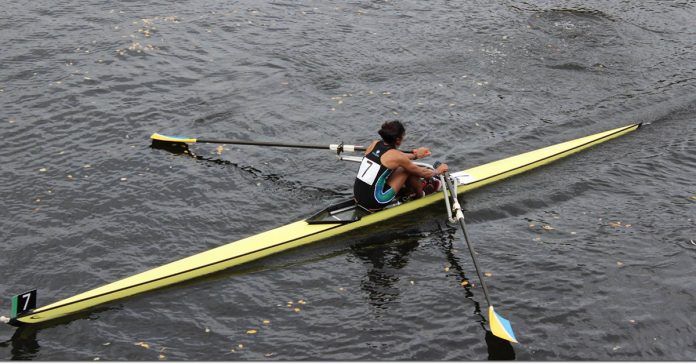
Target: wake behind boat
{"x": 332, "y": 221}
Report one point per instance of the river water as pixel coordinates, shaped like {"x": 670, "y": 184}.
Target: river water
{"x": 590, "y": 258}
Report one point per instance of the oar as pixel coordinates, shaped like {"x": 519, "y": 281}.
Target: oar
{"x": 184, "y": 140}
{"x": 499, "y": 325}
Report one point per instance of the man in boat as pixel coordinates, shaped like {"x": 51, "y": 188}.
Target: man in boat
{"x": 387, "y": 172}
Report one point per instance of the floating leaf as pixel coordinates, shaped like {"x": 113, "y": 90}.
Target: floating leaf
{"x": 266, "y": 322}
{"x": 488, "y": 274}
{"x": 465, "y": 283}
{"x": 615, "y": 224}
{"x": 302, "y": 302}
{"x": 251, "y": 332}
{"x": 547, "y": 227}
{"x": 162, "y": 357}
{"x": 143, "y": 345}
{"x": 219, "y": 149}
{"x": 447, "y": 269}
{"x": 297, "y": 309}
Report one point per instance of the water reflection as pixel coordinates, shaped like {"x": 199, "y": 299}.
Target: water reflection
{"x": 383, "y": 261}
{"x": 24, "y": 343}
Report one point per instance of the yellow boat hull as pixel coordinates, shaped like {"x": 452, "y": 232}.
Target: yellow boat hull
{"x": 300, "y": 233}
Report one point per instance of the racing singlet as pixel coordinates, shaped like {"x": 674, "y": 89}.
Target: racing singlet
{"x": 370, "y": 189}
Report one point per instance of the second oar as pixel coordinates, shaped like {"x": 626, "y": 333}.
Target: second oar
{"x": 339, "y": 148}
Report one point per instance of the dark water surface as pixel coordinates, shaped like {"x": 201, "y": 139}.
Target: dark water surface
{"x": 591, "y": 257}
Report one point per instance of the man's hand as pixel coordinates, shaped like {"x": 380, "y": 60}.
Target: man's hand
{"x": 442, "y": 168}
{"x": 421, "y": 152}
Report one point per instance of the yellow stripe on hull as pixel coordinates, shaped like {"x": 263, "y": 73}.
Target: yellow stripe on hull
{"x": 300, "y": 233}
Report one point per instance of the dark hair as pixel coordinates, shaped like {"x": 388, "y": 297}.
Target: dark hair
{"x": 391, "y": 130}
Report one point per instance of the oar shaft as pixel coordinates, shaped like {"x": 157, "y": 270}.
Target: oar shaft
{"x": 156, "y": 138}
{"x": 346, "y": 147}
{"x": 459, "y": 215}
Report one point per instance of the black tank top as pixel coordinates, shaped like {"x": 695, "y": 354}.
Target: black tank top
{"x": 371, "y": 190}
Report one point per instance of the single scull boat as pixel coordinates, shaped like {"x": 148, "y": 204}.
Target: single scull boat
{"x": 332, "y": 221}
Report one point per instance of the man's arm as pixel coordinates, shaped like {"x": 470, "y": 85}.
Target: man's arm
{"x": 402, "y": 160}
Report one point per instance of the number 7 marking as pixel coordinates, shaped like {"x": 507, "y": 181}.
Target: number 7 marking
{"x": 26, "y": 297}
{"x": 371, "y": 163}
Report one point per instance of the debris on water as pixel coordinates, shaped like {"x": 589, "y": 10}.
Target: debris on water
{"x": 573, "y": 233}
{"x": 162, "y": 357}
{"x": 488, "y": 274}
{"x": 241, "y": 346}
{"x": 615, "y": 348}
{"x": 70, "y": 176}
{"x": 143, "y": 344}
{"x": 692, "y": 198}
{"x": 42, "y": 170}
{"x": 619, "y": 264}
{"x": 251, "y": 332}
{"x": 124, "y": 178}
{"x": 615, "y": 224}
{"x": 632, "y": 321}
{"x": 266, "y": 322}
{"x": 219, "y": 149}
{"x": 412, "y": 283}
{"x": 447, "y": 268}
{"x": 4, "y": 319}
{"x": 532, "y": 225}
{"x": 297, "y": 309}
{"x": 302, "y": 302}
{"x": 96, "y": 359}
{"x": 106, "y": 344}
{"x": 547, "y": 227}
{"x": 538, "y": 238}
{"x": 692, "y": 242}
{"x": 207, "y": 329}
{"x": 341, "y": 289}
{"x": 465, "y": 283}
{"x": 86, "y": 166}
{"x": 268, "y": 355}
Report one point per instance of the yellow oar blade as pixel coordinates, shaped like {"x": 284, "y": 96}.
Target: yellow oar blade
{"x": 175, "y": 139}
{"x": 500, "y": 327}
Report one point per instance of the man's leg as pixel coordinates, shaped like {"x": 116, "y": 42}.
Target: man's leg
{"x": 400, "y": 177}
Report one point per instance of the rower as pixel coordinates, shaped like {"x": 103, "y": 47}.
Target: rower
{"x": 385, "y": 171}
